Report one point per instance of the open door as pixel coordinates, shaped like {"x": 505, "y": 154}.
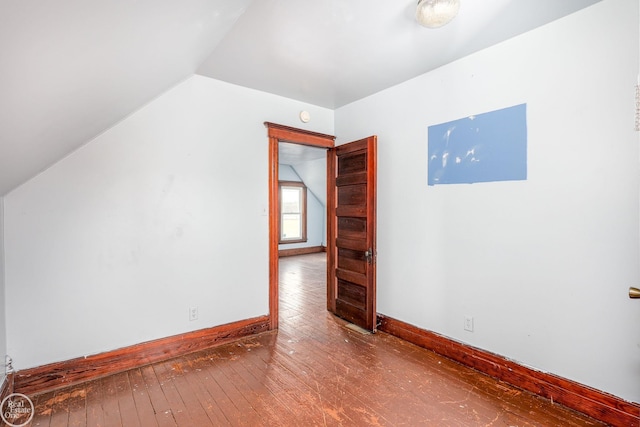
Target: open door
{"x": 351, "y": 232}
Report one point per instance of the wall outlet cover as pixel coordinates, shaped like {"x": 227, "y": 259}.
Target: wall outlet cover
{"x": 468, "y": 323}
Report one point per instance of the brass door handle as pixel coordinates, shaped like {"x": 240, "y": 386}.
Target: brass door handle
{"x": 634, "y": 293}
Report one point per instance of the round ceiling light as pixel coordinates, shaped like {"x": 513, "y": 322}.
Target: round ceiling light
{"x": 436, "y": 13}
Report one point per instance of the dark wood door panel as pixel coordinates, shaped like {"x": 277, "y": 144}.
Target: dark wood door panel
{"x": 356, "y": 245}
{"x": 352, "y": 228}
{"x": 352, "y": 260}
{"x": 349, "y": 195}
{"x": 352, "y": 277}
{"x": 351, "y": 313}
{"x": 353, "y": 294}
{"x": 351, "y": 232}
{"x": 356, "y": 178}
{"x": 351, "y": 211}
{"x": 352, "y": 163}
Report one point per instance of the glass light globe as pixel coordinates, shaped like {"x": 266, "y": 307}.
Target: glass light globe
{"x": 436, "y": 13}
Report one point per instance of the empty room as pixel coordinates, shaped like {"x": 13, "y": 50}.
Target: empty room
{"x": 278, "y": 212}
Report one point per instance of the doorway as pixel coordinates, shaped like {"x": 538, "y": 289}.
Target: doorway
{"x": 283, "y": 134}
{"x": 302, "y": 175}
{"x": 351, "y": 223}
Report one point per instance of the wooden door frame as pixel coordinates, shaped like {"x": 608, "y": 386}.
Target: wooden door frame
{"x": 280, "y": 133}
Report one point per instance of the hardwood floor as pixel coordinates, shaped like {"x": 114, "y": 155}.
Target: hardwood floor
{"x": 313, "y": 371}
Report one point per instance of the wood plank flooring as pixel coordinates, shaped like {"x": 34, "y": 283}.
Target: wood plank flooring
{"x": 313, "y": 371}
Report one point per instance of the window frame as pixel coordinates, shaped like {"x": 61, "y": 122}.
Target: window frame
{"x": 303, "y": 211}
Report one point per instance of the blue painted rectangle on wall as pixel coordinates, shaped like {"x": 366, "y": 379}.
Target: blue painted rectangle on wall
{"x": 487, "y": 147}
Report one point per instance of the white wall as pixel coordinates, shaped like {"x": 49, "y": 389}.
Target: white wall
{"x": 314, "y": 174}
{"x": 3, "y": 322}
{"x": 316, "y": 212}
{"x": 287, "y": 173}
{"x": 167, "y": 210}
{"x": 542, "y": 265}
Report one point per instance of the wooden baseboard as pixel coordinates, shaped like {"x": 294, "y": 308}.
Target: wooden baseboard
{"x": 7, "y": 386}
{"x": 62, "y": 374}
{"x": 595, "y": 403}
{"x": 301, "y": 251}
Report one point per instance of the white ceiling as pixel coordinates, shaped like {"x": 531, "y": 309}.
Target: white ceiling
{"x": 293, "y": 154}
{"x": 70, "y": 69}
{"x": 333, "y": 52}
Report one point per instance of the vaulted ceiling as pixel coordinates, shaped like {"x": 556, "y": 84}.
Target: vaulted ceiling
{"x": 70, "y": 69}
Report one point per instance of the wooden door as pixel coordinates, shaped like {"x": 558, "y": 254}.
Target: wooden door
{"x": 351, "y": 232}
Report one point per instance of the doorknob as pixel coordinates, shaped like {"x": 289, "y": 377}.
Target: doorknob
{"x": 634, "y": 293}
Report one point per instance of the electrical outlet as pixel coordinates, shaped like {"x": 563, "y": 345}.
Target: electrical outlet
{"x": 468, "y": 323}
{"x": 193, "y": 313}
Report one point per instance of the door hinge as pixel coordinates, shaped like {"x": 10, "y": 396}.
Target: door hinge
{"x": 370, "y": 256}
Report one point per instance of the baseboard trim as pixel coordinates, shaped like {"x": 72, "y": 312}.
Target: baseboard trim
{"x": 594, "y": 403}
{"x": 62, "y": 374}
{"x": 7, "y": 386}
{"x": 301, "y": 251}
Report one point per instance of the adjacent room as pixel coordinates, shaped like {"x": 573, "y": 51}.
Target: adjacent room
{"x": 488, "y": 160}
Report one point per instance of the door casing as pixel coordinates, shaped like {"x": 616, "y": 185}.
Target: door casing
{"x": 280, "y": 133}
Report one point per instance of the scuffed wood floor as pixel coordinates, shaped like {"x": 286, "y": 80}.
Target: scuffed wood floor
{"x": 314, "y": 371}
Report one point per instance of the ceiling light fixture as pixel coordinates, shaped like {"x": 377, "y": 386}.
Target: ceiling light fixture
{"x": 436, "y": 13}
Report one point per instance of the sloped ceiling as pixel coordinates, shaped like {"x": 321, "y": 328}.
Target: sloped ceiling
{"x": 310, "y": 165}
{"x": 70, "y": 69}
{"x": 333, "y": 52}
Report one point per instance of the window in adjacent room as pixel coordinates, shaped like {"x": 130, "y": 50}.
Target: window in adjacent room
{"x": 293, "y": 212}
